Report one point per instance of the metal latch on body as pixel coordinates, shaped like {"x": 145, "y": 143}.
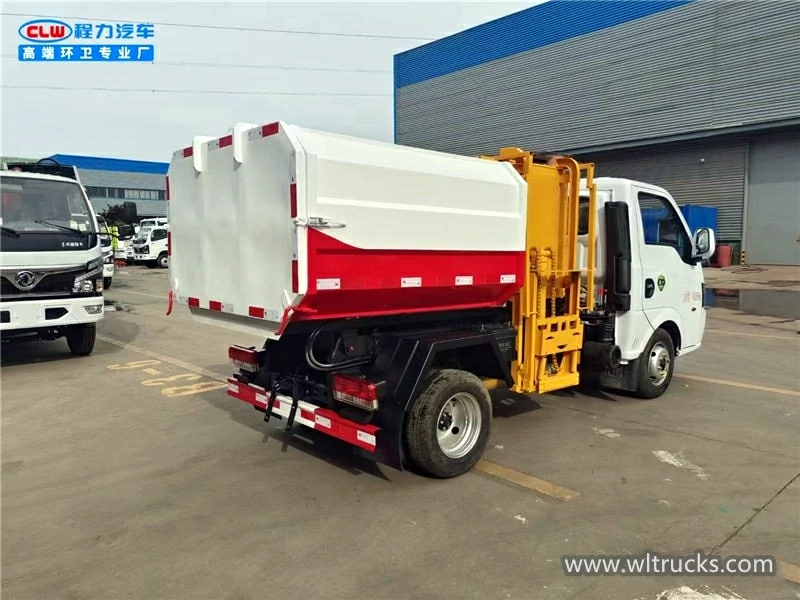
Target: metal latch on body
{"x": 317, "y": 222}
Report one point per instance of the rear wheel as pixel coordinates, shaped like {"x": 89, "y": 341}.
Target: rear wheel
{"x": 656, "y": 367}
{"x": 81, "y": 338}
{"x": 448, "y": 426}
{"x": 163, "y": 260}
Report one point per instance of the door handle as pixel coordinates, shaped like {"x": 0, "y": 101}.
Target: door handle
{"x": 649, "y": 288}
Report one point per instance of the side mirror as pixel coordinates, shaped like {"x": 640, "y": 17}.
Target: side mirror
{"x": 705, "y": 243}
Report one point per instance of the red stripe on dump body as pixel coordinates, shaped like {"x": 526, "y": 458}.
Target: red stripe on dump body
{"x": 226, "y": 141}
{"x": 344, "y": 281}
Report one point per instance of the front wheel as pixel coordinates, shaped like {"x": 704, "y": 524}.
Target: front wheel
{"x": 81, "y": 338}
{"x": 656, "y": 367}
{"x": 448, "y": 426}
{"x": 106, "y": 282}
{"x": 163, "y": 260}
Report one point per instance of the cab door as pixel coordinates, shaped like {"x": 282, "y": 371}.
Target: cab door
{"x": 672, "y": 279}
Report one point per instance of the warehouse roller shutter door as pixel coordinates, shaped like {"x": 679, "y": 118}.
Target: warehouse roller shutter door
{"x": 773, "y": 201}
{"x": 702, "y": 172}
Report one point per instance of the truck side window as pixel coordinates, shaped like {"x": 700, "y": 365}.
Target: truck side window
{"x": 662, "y": 226}
{"x": 159, "y": 234}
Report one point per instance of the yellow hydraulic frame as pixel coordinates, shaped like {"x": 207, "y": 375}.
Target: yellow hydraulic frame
{"x": 546, "y": 310}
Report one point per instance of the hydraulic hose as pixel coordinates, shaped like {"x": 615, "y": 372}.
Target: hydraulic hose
{"x": 315, "y": 364}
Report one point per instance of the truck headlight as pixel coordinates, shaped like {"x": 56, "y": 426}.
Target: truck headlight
{"x": 92, "y": 280}
{"x": 84, "y": 286}
{"x": 109, "y": 258}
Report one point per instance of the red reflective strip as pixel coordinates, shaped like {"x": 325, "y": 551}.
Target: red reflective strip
{"x": 225, "y": 141}
{"x": 214, "y": 305}
{"x": 256, "y": 312}
{"x": 167, "y": 194}
{"x": 295, "y": 277}
{"x": 187, "y": 152}
{"x": 195, "y": 302}
{"x": 293, "y": 200}
{"x": 169, "y": 243}
{"x": 321, "y": 419}
{"x": 270, "y": 129}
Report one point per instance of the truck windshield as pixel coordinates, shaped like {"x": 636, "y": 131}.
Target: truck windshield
{"x": 31, "y": 205}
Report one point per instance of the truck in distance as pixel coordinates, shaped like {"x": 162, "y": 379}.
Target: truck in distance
{"x": 391, "y": 283}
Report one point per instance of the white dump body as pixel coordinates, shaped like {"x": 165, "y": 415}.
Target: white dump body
{"x": 281, "y": 217}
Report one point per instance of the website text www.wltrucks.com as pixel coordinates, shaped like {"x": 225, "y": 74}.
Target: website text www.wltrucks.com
{"x": 652, "y": 563}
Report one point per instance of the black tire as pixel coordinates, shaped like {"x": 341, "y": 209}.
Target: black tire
{"x": 656, "y": 366}
{"x": 163, "y": 261}
{"x": 106, "y": 282}
{"x": 423, "y": 423}
{"x": 81, "y": 338}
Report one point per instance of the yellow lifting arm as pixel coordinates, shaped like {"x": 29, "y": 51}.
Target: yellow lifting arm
{"x": 547, "y": 309}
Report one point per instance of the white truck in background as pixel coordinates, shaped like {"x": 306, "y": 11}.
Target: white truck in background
{"x": 150, "y": 248}
{"x": 109, "y": 254}
{"x": 51, "y": 274}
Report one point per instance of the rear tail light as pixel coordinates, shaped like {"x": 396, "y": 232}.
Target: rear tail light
{"x": 358, "y": 392}
{"x": 244, "y": 358}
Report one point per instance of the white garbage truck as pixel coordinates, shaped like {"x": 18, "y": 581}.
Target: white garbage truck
{"x": 52, "y": 257}
{"x": 393, "y": 285}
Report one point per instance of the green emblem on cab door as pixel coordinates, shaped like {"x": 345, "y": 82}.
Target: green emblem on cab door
{"x": 661, "y": 282}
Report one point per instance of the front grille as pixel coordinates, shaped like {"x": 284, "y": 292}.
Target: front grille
{"x": 55, "y": 283}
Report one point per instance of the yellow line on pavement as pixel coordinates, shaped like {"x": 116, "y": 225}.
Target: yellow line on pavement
{"x": 739, "y": 384}
{"x": 167, "y": 359}
{"x": 548, "y": 488}
{"x": 791, "y": 573}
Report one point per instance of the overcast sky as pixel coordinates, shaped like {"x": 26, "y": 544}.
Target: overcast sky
{"x": 214, "y": 71}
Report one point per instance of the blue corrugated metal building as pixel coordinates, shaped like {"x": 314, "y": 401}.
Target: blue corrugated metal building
{"x": 110, "y": 181}
{"x": 699, "y": 96}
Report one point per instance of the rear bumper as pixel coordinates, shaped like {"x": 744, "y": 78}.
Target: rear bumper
{"x": 33, "y": 314}
{"x": 309, "y": 415}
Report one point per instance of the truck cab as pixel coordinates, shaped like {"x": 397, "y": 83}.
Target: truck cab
{"x": 52, "y": 257}
{"x": 648, "y": 271}
{"x": 150, "y": 247}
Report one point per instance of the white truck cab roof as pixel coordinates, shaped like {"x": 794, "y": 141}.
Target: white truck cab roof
{"x": 26, "y": 175}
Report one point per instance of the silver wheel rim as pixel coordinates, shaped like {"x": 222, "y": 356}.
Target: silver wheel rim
{"x": 658, "y": 364}
{"x": 458, "y": 425}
